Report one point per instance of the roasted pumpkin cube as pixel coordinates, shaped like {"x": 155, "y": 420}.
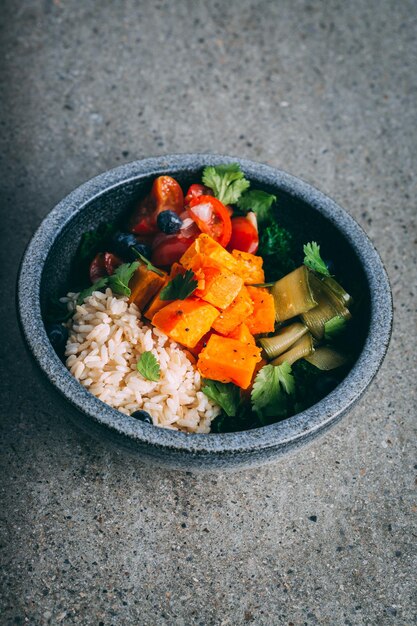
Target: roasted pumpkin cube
{"x": 240, "y": 308}
{"x": 243, "y": 334}
{"x": 144, "y": 284}
{"x": 217, "y": 284}
{"x": 228, "y": 360}
{"x": 262, "y": 320}
{"x": 207, "y": 246}
{"x": 250, "y": 267}
{"x": 186, "y": 321}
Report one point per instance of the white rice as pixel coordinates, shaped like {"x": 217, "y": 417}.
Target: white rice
{"x": 106, "y": 339}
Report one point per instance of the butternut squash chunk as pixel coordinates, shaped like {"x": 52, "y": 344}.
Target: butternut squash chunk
{"x": 243, "y": 334}
{"x": 220, "y": 285}
{"x": 250, "y": 267}
{"x": 157, "y": 304}
{"x": 228, "y": 361}
{"x": 205, "y": 245}
{"x": 185, "y": 321}
{"x": 144, "y": 284}
{"x": 240, "y": 308}
{"x": 262, "y": 320}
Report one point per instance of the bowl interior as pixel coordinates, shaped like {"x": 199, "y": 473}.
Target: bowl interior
{"x": 304, "y": 221}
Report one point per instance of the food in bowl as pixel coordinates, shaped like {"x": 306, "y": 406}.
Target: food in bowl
{"x": 202, "y": 312}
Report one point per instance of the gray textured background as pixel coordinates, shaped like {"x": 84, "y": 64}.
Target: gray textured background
{"x": 325, "y": 90}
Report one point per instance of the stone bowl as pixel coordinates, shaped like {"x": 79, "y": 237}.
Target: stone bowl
{"x": 45, "y": 271}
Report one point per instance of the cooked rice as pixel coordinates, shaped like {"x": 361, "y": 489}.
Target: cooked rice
{"x": 106, "y": 339}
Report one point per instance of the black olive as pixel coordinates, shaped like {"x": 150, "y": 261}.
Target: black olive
{"x": 58, "y": 336}
{"x": 143, "y": 416}
{"x": 122, "y": 244}
{"x": 169, "y": 222}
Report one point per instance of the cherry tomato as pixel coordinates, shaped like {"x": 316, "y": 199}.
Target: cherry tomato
{"x": 169, "y": 249}
{"x": 244, "y": 235}
{"x": 195, "y": 191}
{"x": 111, "y": 262}
{"x": 166, "y": 194}
{"x": 97, "y": 268}
{"x": 212, "y": 218}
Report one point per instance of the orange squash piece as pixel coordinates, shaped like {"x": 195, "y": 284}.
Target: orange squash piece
{"x": 262, "y": 320}
{"x": 250, "y": 267}
{"x": 157, "y": 304}
{"x": 243, "y": 334}
{"x": 220, "y": 285}
{"x": 228, "y": 361}
{"x": 144, "y": 284}
{"x": 240, "y": 308}
{"x": 186, "y": 321}
{"x": 207, "y": 246}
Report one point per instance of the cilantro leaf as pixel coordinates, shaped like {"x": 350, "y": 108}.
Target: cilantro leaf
{"x": 99, "y": 284}
{"x": 147, "y": 262}
{"x": 313, "y": 259}
{"x": 258, "y": 201}
{"x": 119, "y": 281}
{"x": 148, "y": 366}
{"x": 226, "y": 395}
{"x": 92, "y": 241}
{"x": 272, "y": 387}
{"x": 227, "y": 181}
{"x": 334, "y": 327}
{"x": 180, "y": 287}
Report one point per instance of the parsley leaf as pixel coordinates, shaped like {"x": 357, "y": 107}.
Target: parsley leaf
{"x": 313, "y": 259}
{"x": 99, "y": 284}
{"x": 119, "y": 281}
{"x": 258, "y": 201}
{"x": 93, "y": 240}
{"x": 180, "y": 287}
{"x": 226, "y": 395}
{"x": 227, "y": 181}
{"x": 334, "y": 327}
{"x": 272, "y": 387}
{"x": 147, "y": 262}
{"x": 148, "y": 366}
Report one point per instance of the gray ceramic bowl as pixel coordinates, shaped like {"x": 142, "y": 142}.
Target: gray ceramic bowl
{"x": 45, "y": 271}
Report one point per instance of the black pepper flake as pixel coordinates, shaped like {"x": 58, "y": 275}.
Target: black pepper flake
{"x": 234, "y": 350}
{"x": 186, "y": 330}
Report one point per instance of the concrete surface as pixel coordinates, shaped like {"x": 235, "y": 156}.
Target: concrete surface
{"x": 325, "y": 90}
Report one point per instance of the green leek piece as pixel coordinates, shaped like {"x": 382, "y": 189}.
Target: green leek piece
{"x": 286, "y": 337}
{"x": 301, "y": 349}
{"x": 293, "y": 294}
{"x": 326, "y": 359}
{"x": 328, "y": 307}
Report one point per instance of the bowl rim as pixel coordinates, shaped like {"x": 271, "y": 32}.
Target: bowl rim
{"x": 279, "y": 435}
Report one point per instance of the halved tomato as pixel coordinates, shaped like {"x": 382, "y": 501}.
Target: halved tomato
{"x": 103, "y": 264}
{"x": 244, "y": 235}
{"x": 212, "y": 218}
{"x": 169, "y": 249}
{"x": 195, "y": 191}
{"x": 166, "y": 195}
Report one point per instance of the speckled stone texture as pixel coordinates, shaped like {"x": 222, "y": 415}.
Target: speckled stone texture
{"x": 326, "y": 91}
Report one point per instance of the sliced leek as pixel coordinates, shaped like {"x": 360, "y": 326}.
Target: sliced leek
{"x": 301, "y": 349}
{"x": 326, "y": 359}
{"x": 293, "y": 294}
{"x": 337, "y": 289}
{"x": 274, "y": 346}
{"x": 328, "y": 307}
